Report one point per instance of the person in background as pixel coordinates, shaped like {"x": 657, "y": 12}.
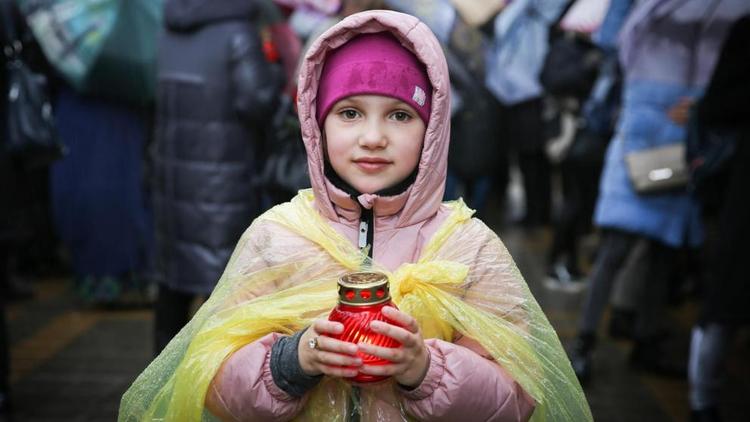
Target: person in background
{"x": 99, "y": 205}
{"x": 216, "y": 89}
{"x": 23, "y": 191}
{"x": 25, "y": 223}
{"x": 581, "y": 165}
{"x": 514, "y": 61}
{"x": 723, "y": 107}
{"x": 667, "y": 52}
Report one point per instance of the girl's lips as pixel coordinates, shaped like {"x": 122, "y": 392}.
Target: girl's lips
{"x": 371, "y": 165}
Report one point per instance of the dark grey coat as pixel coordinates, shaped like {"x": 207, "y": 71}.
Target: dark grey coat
{"x": 215, "y": 89}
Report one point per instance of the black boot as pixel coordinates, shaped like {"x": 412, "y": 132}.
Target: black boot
{"x": 581, "y": 356}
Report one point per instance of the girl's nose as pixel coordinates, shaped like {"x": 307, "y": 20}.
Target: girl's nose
{"x": 373, "y": 136}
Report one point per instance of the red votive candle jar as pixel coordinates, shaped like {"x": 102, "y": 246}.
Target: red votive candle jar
{"x": 362, "y": 297}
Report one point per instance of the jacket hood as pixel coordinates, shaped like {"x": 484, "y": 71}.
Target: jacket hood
{"x": 422, "y": 199}
{"x": 187, "y": 15}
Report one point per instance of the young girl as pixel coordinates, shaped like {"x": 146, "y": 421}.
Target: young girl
{"x": 374, "y": 108}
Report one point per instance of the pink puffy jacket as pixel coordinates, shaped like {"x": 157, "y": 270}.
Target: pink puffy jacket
{"x": 461, "y": 383}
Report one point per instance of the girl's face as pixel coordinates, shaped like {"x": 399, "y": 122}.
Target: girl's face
{"x": 373, "y": 141}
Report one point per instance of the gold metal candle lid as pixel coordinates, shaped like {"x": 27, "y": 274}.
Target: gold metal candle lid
{"x": 364, "y": 288}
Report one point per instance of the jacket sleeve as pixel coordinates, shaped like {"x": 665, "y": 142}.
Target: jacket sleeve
{"x": 243, "y": 388}
{"x": 462, "y": 385}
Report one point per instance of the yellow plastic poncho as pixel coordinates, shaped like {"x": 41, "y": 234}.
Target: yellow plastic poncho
{"x": 283, "y": 275}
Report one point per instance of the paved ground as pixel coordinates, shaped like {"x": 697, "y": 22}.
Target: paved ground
{"x": 73, "y": 364}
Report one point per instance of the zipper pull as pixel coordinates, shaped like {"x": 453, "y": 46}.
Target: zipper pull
{"x": 362, "y": 242}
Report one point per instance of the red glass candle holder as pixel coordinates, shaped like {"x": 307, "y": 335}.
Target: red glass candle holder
{"x": 362, "y": 297}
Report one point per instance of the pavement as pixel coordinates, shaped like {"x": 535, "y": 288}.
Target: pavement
{"x": 72, "y": 363}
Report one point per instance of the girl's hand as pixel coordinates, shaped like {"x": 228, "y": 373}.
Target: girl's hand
{"x": 331, "y": 357}
{"x": 410, "y": 362}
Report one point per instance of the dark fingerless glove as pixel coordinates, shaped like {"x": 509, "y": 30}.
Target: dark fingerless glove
{"x": 286, "y": 370}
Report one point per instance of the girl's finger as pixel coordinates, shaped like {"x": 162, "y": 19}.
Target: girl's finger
{"x": 406, "y": 338}
{"x": 328, "y": 327}
{"x": 393, "y": 354}
{"x": 326, "y": 343}
{"x": 383, "y": 370}
{"x": 339, "y": 371}
{"x": 337, "y": 359}
{"x": 401, "y": 318}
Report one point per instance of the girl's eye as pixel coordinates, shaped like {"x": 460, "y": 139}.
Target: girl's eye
{"x": 349, "y": 114}
{"x": 401, "y": 116}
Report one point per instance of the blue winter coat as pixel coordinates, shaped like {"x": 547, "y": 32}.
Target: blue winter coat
{"x": 672, "y": 218}
{"x": 667, "y": 50}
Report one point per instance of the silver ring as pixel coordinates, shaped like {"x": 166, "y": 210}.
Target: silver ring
{"x": 313, "y": 343}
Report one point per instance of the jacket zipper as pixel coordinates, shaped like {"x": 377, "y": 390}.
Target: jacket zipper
{"x": 366, "y": 231}
{"x": 366, "y": 238}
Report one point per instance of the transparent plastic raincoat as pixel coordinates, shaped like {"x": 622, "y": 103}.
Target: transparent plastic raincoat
{"x": 494, "y": 355}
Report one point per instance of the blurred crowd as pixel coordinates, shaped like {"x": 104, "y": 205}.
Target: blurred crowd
{"x": 140, "y": 138}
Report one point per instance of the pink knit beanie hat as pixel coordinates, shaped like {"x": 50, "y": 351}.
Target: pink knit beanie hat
{"x": 374, "y": 64}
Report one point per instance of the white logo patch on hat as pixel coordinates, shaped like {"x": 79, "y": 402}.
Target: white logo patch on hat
{"x": 419, "y": 96}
